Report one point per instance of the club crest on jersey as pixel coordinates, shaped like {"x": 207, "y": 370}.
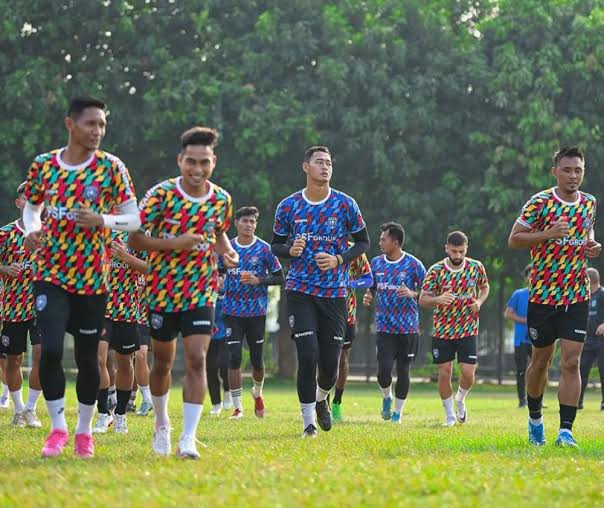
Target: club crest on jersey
{"x": 533, "y": 333}
{"x": 254, "y": 260}
{"x": 91, "y": 192}
{"x": 587, "y": 223}
{"x": 41, "y": 302}
{"x": 332, "y": 222}
{"x": 471, "y": 283}
{"x": 156, "y": 321}
{"x": 292, "y": 321}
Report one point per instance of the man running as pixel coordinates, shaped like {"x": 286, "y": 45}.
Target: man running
{"x": 456, "y": 288}
{"x": 318, "y": 220}
{"x": 141, "y": 365}
{"x": 557, "y": 225}
{"x": 218, "y": 356}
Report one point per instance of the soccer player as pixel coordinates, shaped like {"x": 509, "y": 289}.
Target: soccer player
{"x": 359, "y": 277}
{"x": 5, "y": 395}
{"x": 245, "y": 304}
{"x": 187, "y": 218}
{"x": 456, "y": 288}
{"x": 557, "y": 225}
{"x": 594, "y": 343}
{"x": 218, "y": 355}
{"x": 121, "y": 332}
{"x": 141, "y": 366}
{"x": 516, "y": 310}
{"x": 19, "y": 317}
{"x": 319, "y": 221}
{"x": 398, "y": 278}
{"x": 80, "y": 187}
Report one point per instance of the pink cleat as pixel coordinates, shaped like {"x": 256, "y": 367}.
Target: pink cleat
{"x": 55, "y": 442}
{"x": 84, "y": 446}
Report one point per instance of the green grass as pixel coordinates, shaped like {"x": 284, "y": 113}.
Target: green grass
{"x": 363, "y": 461}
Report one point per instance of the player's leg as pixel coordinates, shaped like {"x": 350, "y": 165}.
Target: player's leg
{"x": 254, "y": 333}
{"x": 343, "y": 369}
{"x": 569, "y": 389}
{"x": 125, "y": 342}
{"x": 4, "y": 396}
{"x": 521, "y": 359}
{"x": 601, "y": 370}
{"x": 111, "y": 369}
{"x": 588, "y": 356}
{"x": 35, "y": 389}
{"x": 467, "y": 357}
{"x": 223, "y": 367}
{"x": 104, "y": 418}
{"x": 141, "y": 370}
{"x": 212, "y": 373}
{"x": 14, "y": 343}
{"x": 234, "y": 338}
{"x": 407, "y": 345}
{"x": 386, "y": 352}
{"x": 443, "y": 354}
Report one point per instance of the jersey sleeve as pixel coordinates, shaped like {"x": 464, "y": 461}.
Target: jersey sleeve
{"x": 282, "y": 225}
{"x": 272, "y": 261}
{"x": 430, "y": 284}
{"x": 420, "y": 275}
{"x": 483, "y": 280}
{"x": 3, "y": 245}
{"x": 223, "y": 225}
{"x": 355, "y": 218}
{"x": 34, "y": 189}
{"x": 123, "y": 188}
{"x": 530, "y": 215}
{"x": 513, "y": 302}
{"x": 150, "y": 212}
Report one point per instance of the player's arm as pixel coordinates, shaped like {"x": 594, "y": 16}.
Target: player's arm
{"x": 510, "y": 314}
{"x": 224, "y": 248}
{"x": 276, "y": 278}
{"x": 138, "y": 240}
{"x": 127, "y": 218}
{"x": 281, "y": 248}
{"x": 523, "y": 237}
{"x": 119, "y": 251}
{"x": 429, "y": 300}
{"x": 327, "y": 261}
{"x": 363, "y": 282}
{"x": 483, "y": 294}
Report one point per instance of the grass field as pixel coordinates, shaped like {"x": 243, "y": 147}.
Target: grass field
{"x": 362, "y": 462}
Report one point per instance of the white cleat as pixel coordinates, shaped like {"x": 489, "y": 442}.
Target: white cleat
{"x": 161, "y": 441}
{"x": 227, "y": 403}
{"x": 31, "y": 418}
{"x": 103, "y": 422}
{"x": 120, "y": 424}
{"x": 449, "y": 422}
{"x": 216, "y": 409}
{"x": 461, "y": 412}
{"x": 4, "y": 403}
{"x": 18, "y": 420}
{"x": 187, "y": 448}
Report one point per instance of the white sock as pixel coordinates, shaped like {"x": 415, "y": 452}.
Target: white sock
{"x": 257, "y": 388}
{"x": 146, "y": 393}
{"x": 461, "y": 394}
{"x": 160, "y": 408}
{"x": 112, "y": 395}
{"x": 32, "y": 399}
{"x": 4, "y": 390}
{"x": 227, "y": 396}
{"x": 387, "y": 392}
{"x": 308, "y": 414}
{"x": 216, "y": 407}
{"x": 191, "y": 416}
{"x": 236, "y": 394}
{"x": 538, "y": 421}
{"x": 17, "y": 397}
{"x": 85, "y": 414}
{"x": 56, "y": 411}
{"x": 448, "y": 405}
{"x": 399, "y": 405}
{"x": 322, "y": 394}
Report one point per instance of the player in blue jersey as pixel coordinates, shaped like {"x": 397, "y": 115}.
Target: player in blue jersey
{"x": 312, "y": 228}
{"x": 245, "y": 304}
{"x": 398, "y": 277}
{"x": 218, "y": 356}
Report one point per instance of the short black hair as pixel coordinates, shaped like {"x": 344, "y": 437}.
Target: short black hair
{"x": 594, "y": 275}
{"x": 395, "y": 231}
{"x": 247, "y": 211}
{"x": 313, "y": 149}
{"x": 205, "y": 136}
{"x": 78, "y": 104}
{"x": 457, "y": 238}
{"x": 527, "y": 270}
{"x": 567, "y": 151}
{"x": 21, "y": 188}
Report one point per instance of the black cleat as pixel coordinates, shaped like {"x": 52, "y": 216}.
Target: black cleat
{"x": 309, "y": 432}
{"x": 323, "y": 415}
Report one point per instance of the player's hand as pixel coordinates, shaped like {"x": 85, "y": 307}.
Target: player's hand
{"x": 446, "y": 298}
{"x": 119, "y": 251}
{"x": 367, "y": 298}
{"x": 326, "y": 261}
{"x": 297, "y": 247}
{"x": 186, "y": 241}
{"x": 33, "y": 241}
{"x": 560, "y": 229}
{"x": 249, "y": 278}
{"x": 230, "y": 259}
{"x": 220, "y": 283}
{"x": 404, "y": 292}
{"x": 593, "y": 249}
{"x": 475, "y": 306}
{"x": 13, "y": 270}
{"x": 600, "y": 329}
{"x": 86, "y": 218}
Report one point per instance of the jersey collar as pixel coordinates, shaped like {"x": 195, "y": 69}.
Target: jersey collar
{"x": 200, "y": 199}
{"x": 315, "y": 202}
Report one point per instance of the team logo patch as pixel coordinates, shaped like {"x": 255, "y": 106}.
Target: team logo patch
{"x": 587, "y": 223}
{"x": 91, "y": 192}
{"x": 156, "y": 321}
{"x": 471, "y": 283}
{"x": 332, "y": 222}
{"x": 41, "y": 302}
{"x": 292, "y": 321}
{"x": 594, "y": 303}
{"x": 228, "y": 332}
{"x": 5, "y": 340}
{"x": 533, "y": 333}
{"x": 254, "y": 260}
{"x": 435, "y": 353}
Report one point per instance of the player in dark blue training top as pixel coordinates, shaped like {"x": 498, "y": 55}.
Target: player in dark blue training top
{"x": 318, "y": 222}
{"x": 245, "y": 304}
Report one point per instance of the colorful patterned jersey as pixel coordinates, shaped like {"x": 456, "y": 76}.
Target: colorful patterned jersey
{"x": 396, "y": 314}
{"x": 143, "y": 307}
{"x": 123, "y": 300}
{"x": 178, "y": 281}
{"x": 325, "y": 226}
{"x": 356, "y": 269}
{"x": 72, "y": 257}
{"x": 18, "y": 301}
{"x": 245, "y": 300}
{"x": 456, "y": 321}
{"x": 559, "y": 266}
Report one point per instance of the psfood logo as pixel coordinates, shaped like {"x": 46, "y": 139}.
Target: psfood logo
{"x": 572, "y": 242}
{"x": 60, "y": 213}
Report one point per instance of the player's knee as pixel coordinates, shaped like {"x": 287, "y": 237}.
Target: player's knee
{"x": 50, "y": 357}
{"x": 35, "y": 355}
{"x": 161, "y": 366}
{"x": 196, "y": 363}
{"x": 257, "y": 359}
{"x": 541, "y": 363}
{"x": 14, "y": 362}
{"x": 569, "y": 363}
{"x": 235, "y": 358}
{"x": 445, "y": 369}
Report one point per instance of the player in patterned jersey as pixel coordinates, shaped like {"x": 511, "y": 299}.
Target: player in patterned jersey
{"x": 359, "y": 277}
{"x": 245, "y": 304}
{"x": 187, "y": 219}
{"x": 557, "y": 225}
{"x": 398, "y": 277}
{"x": 456, "y": 288}
{"x": 121, "y": 332}
{"x": 318, "y": 220}
{"x": 80, "y": 187}
{"x": 19, "y": 317}
{"x": 141, "y": 367}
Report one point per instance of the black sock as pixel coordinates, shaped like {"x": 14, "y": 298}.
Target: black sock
{"x": 337, "y": 398}
{"x": 101, "y": 401}
{"x": 534, "y": 406}
{"x": 123, "y": 396}
{"x": 567, "y": 416}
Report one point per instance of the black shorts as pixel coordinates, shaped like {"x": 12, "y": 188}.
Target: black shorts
{"x": 165, "y": 326}
{"x": 548, "y": 323}
{"x": 401, "y": 347}
{"x": 445, "y": 350}
{"x": 122, "y": 336}
{"x": 14, "y": 337}
{"x": 349, "y": 336}
{"x": 325, "y": 317}
{"x": 144, "y": 335}
{"x": 238, "y": 327}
